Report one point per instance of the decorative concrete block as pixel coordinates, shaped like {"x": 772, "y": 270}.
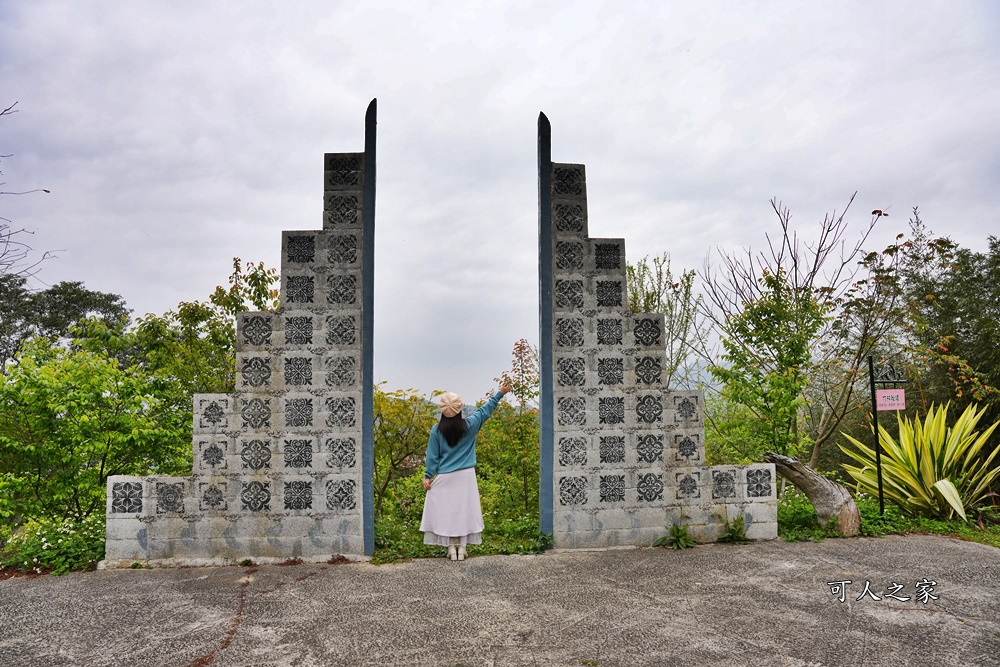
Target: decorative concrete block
{"x": 342, "y": 210}
{"x": 650, "y": 488}
{"x": 649, "y": 447}
{"x": 340, "y": 371}
{"x": 213, "y": 413}
{"x": 256, "y": 413}
{"x": 213, "y": 495}
{"x": 256, "y": 330}
{"x": 343, "y": 171}
{"x": 607, "y": 256}
{"x": 687, "y": 446}
{"x": 128, "y": 496}
{"x": 572, "y": 450}
{"x": 212, "y": 453}
{"x": 300, "y": 329}
{"x": 255, "y": 371}
{"x": 726, "y": 484}
{"x": 760, "y": 482}
{"x": 687, "y": 409}
{"x": 298, "y": 250}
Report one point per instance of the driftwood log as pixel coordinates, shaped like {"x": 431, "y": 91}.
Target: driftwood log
{"x": 831, "y": 500}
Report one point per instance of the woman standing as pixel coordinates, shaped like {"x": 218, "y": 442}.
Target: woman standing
{"x": 453, "y": 516}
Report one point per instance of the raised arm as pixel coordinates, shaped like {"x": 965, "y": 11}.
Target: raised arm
{"x": 484, "y": 412}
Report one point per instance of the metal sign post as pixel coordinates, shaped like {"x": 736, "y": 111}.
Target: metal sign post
{"x": 891, "y": 400}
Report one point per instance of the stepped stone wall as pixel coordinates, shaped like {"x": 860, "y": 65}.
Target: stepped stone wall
{"x": 282, "y": 467}
{"x": 623, "y": 457}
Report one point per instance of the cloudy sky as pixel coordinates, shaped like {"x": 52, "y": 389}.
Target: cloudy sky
{"x": 176, "y": 136}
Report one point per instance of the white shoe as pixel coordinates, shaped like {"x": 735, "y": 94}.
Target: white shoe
{"x": 461, "y": 553}
{"x": 452, "y": 555}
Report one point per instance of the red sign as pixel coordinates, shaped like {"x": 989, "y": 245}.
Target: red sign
{"x": 890, "y": 399}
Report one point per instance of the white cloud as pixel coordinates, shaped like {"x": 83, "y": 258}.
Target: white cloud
{"x": 176, "y": 136}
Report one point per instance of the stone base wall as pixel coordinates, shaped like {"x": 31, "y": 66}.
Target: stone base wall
{"x": 193, "y": 534}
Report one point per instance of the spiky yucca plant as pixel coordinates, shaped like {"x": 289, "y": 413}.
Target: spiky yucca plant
{"x": 934, "y": 470}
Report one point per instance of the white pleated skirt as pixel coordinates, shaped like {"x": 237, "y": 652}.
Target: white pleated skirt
{"x": 452, "y": 512}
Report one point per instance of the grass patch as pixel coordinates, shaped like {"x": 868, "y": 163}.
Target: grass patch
{"x": 797, "y": 522}
{"x": 397, "y": 541}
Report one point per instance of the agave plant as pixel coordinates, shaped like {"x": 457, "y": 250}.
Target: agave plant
{"x": 934, "y": 470}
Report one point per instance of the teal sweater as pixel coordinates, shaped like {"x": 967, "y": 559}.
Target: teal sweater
{"x": 441, "y": 458}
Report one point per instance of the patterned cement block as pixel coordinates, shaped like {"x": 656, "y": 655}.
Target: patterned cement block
{"x": 280, "y": 468}
{"x": 622, "y": 456}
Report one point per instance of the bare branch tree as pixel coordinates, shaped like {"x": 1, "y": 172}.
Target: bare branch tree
{"x": 853, "y": 287}
{"x": 14, "y": 252}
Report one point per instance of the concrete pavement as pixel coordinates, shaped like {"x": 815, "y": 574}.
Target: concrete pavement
{"x": 766, "y": 603}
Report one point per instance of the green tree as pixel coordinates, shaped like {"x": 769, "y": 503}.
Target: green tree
{"x": 732, "y": 434}
{"x": 652, "y": 288}
{"x": 253, "y": 288}
{"x": 403, "y": 421}
{"x": 69, "y": 418}
{"x": 523, "y": 376}
{"x": 509, "y": 442}
{"x": 115, "y": 400}
{"x": 508, "y": 454}
{"x": 855, "y": 295}
{"x": 51, "y": 312}
{"x": 196, "y": 342}
{"x": 767, "y": 353}
{"x": 954, "y": 325}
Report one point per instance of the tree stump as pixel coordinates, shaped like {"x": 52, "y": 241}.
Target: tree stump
{"x": 831, "y": 500}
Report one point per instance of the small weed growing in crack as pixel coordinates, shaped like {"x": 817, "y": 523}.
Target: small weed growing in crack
{"x": 735, "y": 531}
{"x": 678, "y": 538}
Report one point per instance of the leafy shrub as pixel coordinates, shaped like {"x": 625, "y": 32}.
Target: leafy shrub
{"x": 507, "y": 451}
{"x": 676, "y": 539}
{"x": 797, "y": 520}
{"x": 876, "y": 524}
{"x": 934, "y": 470}
{"x": 57, "y": 546}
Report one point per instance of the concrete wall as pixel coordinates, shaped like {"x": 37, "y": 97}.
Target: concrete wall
{"x": 626, "y": 454}
{"x": 280, "y": 466}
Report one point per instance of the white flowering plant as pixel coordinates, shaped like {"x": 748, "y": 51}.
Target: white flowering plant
{"x": 55, "y": 546}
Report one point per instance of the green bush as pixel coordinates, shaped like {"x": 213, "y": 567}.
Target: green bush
{"x": 47, "y": 545}
{"x": 933, "y": 470}
{"x": 797, "y": 520}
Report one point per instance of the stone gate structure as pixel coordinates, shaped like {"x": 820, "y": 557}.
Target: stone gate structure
{"x": 282, "y": 467}
{"x": 622, "y": 458}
